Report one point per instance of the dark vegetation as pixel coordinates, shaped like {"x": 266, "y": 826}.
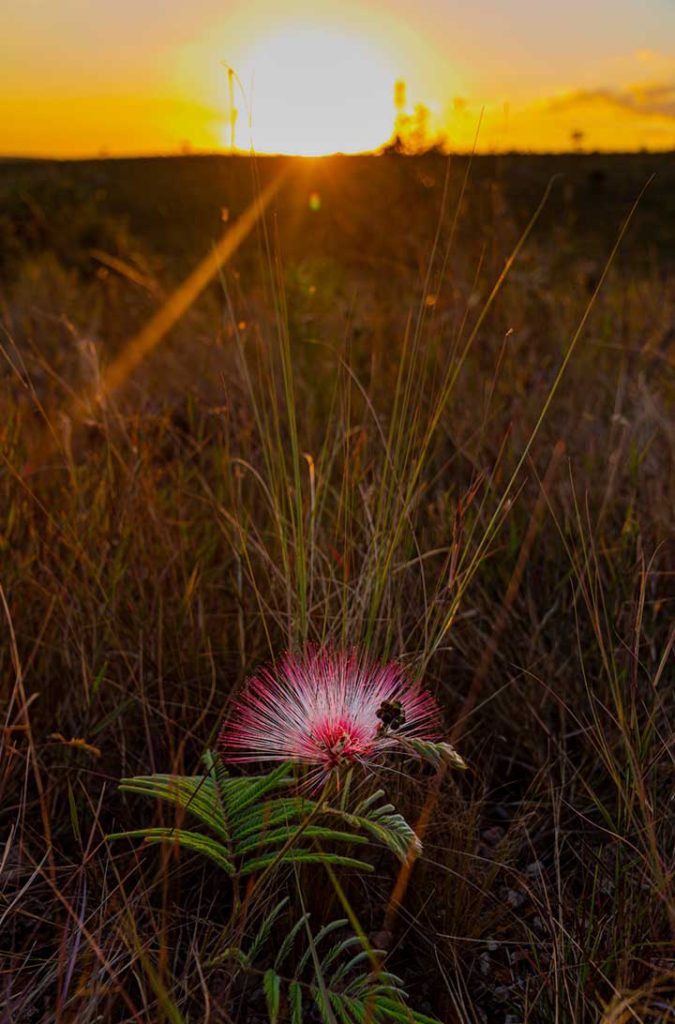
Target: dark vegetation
{"x": 342, "y": 440}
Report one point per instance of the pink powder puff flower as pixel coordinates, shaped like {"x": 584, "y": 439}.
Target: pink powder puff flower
{"x": 327, "y": 711}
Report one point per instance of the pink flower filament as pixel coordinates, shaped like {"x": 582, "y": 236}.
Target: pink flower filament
{"x": 327, "y": 710}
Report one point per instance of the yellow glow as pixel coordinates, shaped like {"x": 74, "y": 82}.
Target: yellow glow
{"x": 314, "y": 78}
{"x": 311, "y": 91}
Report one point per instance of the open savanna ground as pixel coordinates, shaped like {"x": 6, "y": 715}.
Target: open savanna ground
{"x": 425, "y": 409}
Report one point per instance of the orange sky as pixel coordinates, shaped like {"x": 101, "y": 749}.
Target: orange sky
{"x": 81, "y": 78}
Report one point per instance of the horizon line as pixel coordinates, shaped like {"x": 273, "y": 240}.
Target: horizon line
{"x": 102, "y": 156}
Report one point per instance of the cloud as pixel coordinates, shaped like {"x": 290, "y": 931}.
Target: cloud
{"x": 652, "y": 99}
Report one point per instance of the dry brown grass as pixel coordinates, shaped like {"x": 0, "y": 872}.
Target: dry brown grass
{"x": 317, "y": 453}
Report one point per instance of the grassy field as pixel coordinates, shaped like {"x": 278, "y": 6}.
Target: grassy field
{"x": 374, "y": 427}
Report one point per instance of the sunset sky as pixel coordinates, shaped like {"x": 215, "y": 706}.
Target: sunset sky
{"x": 144, "y": 76}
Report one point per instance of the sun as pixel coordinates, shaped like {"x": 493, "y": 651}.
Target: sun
{"x": 310, "y": 91}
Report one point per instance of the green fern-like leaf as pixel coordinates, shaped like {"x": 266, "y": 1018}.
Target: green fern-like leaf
{"x": 279, "y": 836}
{"x": 288, "y": 942}
{"x": 395, "y": 1011}
{"x": 259, "y": 818}
{"x": 327, "y": 930}
{"x": 241, "y": 793}
{"x": 338, "y": 977}
{"x": 272, "y": 986}
{"x": 436, "y": 753}
{"x": 265, "y": 929}
{"x": 194, "y": 841}
{"x": 293, "y": 856}
{"x": 383, "y": 823}
{"x": 258, "y": 824}
{"x": 196, "y": 794}
{"x": 255, "y": 824}
{"x": 295, "y": 1002}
